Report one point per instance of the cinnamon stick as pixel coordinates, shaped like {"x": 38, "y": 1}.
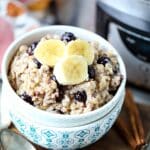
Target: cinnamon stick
{"x": 135, "y": 136}
{"x": 134, "y": 116}
{"x": 121, "y": 126}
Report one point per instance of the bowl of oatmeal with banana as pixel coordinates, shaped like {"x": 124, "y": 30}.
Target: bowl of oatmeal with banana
{"x": 62, "y": 77}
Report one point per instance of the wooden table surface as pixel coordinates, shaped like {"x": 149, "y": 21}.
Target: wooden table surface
{"x": 112, "y": 140}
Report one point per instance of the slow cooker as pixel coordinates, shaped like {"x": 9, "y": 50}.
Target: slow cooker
{"x": 126, "y": 24}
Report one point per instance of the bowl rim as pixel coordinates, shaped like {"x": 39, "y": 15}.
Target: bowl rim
{"x": 65, "y": 28}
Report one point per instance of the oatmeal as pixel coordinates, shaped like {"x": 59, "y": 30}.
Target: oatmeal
{"x": 72, "y": 84}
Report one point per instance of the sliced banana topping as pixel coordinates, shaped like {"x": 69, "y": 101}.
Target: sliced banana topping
{"x": 80, "y": 47}
{"x": 48, "y": 52}
{"x": 71, "y": 70}
{"x": 70, "y": 61}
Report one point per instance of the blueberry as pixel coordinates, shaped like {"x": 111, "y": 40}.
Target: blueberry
{"x": 91, "y": 72}
{"x": 37, "y": 63}
{"x": 68, "y": 36}
{"x": 80, "y": 96}
{"x": 60, "y": 88}
{"x": 61, "y": 94}
{"x": 33, "y": 45}
{"x": 26, "y": 98}
{"x": 29, "y": 51}
{"x": 116, "y": 69}
{"x": 103, "y": 60}
{"x": 53, "y": 77}
{"x": 31, "y": 48}
{"x": 112, "y": 91}
{"x": 59, "y": 112}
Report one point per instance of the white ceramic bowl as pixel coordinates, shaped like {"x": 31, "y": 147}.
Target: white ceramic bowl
{"x": 41, "y": 120}
{"x": 66, "y": 138}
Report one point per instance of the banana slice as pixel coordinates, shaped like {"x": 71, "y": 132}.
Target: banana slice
{"x": 81, "y": 47}
{"x": 71, "y": 70}
{"x": 48, "y": 52}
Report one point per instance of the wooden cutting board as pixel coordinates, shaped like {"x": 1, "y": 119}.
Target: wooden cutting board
{"x": 112, "y": 140}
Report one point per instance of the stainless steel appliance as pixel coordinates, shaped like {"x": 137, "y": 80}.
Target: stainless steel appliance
{"x": 126, "y": 24}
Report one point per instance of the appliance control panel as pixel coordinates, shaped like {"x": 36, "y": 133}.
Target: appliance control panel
{"x": 137, "y": 44}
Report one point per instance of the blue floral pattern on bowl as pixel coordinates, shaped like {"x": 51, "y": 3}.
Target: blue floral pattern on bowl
{"x": 64, "y": 138}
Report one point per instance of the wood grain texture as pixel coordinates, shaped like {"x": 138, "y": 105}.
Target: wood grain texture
{"x": 112, "y": 140}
